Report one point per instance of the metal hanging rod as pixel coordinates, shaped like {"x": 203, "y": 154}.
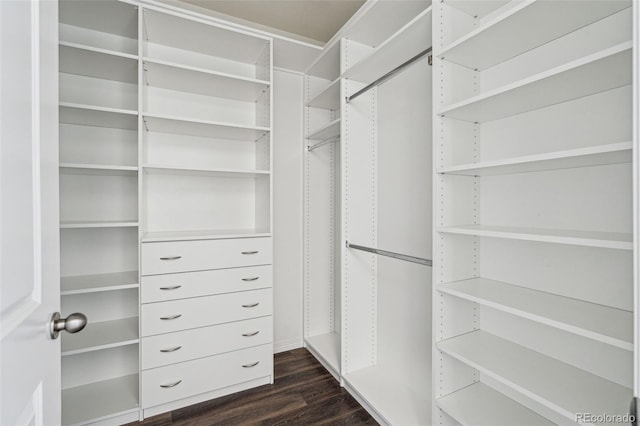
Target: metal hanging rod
{"x": 324, "y": 142}
{"x": 390, "y": 74}
{"x": 407, "y": 258}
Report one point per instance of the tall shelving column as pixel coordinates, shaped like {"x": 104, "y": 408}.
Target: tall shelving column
{"x": 532, "y": 212}
{"x": 385, "y": 145}
{"x": 99, "y": 209}
{"x": 322, "y": 324}
{"x": 206, "y": 247}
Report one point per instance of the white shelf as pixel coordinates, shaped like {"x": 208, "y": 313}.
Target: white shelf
{"x": 480, "y": 405}
{"x": 406, "y": 43}
{"x": 202, "y": 82}
{"x": 205, "y": 234}
{"x": 232, "y": 173}
{"x": 602, "y": 323}
{"x": 541, "y": 21}
{"x": 605, "y": 70}
{"x": 196, "y": 36}
{"x": 97, "y": 224}
{"x": 98, "y": 63}
{"x": 82, "y": 284}
{"x": 327, "y": 65}
{"x": 101, "y": 335}
{"x": 100, "y": 401}
{"x": 327, "y": 348}
{"x": 558, "y": 386}
{"x": 600, "y": 155}
{"x": 613, "y": 240}
{"x": 106, "y": 16}
{"x": 477, "y": 8}
{"x": 381, "y": 19}
{"x": 328, "y": 131}
{"x": 90, "y": 115}
{"x": 203, "y": 128}
{"x": 99, "y": 169}
{"x": 393, "y": 399}
{"x": 329, "y": 98}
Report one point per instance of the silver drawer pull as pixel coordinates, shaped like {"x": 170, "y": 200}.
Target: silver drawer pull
{"x": 173, "y": 287}
{"x": 172, "y": 317}
{"x": 250, "y": 252}
{"x": 170, "y": 385}
{"x": 251, "y": 334}
{"x": 251, "y": 279}
{"x": 171, "y": 258}
{"x": 173, "y": 349}
{"x": 251, "y": 365}
{"x": 253, "y": 305}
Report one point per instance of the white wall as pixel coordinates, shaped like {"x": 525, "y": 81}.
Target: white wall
{"x": 287, "y": 209}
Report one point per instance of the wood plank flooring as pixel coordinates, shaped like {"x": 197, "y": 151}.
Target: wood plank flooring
{"x": 304, "y": 393}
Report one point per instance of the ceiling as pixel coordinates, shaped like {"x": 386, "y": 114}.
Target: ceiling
{"x": 313, "y": 19}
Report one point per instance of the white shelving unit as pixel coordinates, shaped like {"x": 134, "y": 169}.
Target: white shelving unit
{"x": 532, "y": 211}
{"x": 99, "y": 209}
{"x": 563, "y": 388}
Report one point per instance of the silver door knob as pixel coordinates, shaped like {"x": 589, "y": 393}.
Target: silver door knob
{"x": 71, "y": 324}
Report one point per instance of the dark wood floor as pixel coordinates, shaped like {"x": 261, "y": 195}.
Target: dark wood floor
{"x": 303, "y": 393}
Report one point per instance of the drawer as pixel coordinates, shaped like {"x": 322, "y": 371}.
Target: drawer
{"x": 176, "y": 315}
{"x": 173, "y": 382}
{"x": 170, "y": 348}
{"x": 184, "y": 256}
{"x": 157, "y": 288}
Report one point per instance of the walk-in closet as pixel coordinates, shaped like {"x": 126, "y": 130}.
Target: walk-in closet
{"x": 427, "y": 215}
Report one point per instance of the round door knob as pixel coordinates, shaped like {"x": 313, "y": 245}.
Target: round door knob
{"x": 71, "y": 324}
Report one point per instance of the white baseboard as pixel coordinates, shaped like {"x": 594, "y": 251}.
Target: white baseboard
{"x": 287, "y": 345}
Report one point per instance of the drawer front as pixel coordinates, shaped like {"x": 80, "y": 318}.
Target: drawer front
{"x": 173, "y": 382}
{"x": 176, "y": 315}
{"x": 180, "y": 346}
{"x": 184, "y": 256}
{"x": 158, "y": 288}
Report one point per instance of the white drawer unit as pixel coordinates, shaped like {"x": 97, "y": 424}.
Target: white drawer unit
{"x": 176, "y": 315}
{"x": 158, "y": 288}
{"x": 171, "y": 348}
{"x": 184, "y": 256}
{"x": 173, "y": 382}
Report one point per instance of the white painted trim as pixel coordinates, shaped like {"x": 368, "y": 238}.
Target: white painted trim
{"x": 636, "y": 196}
{"x": 287, "y": 345}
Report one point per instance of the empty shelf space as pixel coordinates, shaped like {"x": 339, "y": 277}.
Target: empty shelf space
{"x": 558, "y": 386}
{"x": 173, "y": 31}
{"x": 602, "y": 323}
{"x": 605, "y": 70}
{"x": 480, "y": 405}
{"x": 406, "y": 43}
{"x": 328, "y": 131}
{"x": 329, "y": 98}
{"x": 600, "y": 155}
{"x": 97, "y": 224}
{"x": 100, "y": 169}
{"x": 493, "y": 42}
{"x": 100, "y": 282}
{"x": 88, "y": 115}
{"x": 203, "y": 128}
{"x": 100, "y": 401}
{"x": 327, "y": 65}
{"x": 326, "y": 347}
{"x": 612, "y": 240}
{"x": 98, "y": 63}
{"x": 398, "y": 402}
{"x": 204, "y": 234}
{"x": 202, "y": 82}
{"x": 101, "y": 335}
{"x": 477, "y": 8}
{"x": 233, "y": 173}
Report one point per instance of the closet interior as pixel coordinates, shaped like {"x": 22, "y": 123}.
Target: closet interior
{"x": 468, "y": 218}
